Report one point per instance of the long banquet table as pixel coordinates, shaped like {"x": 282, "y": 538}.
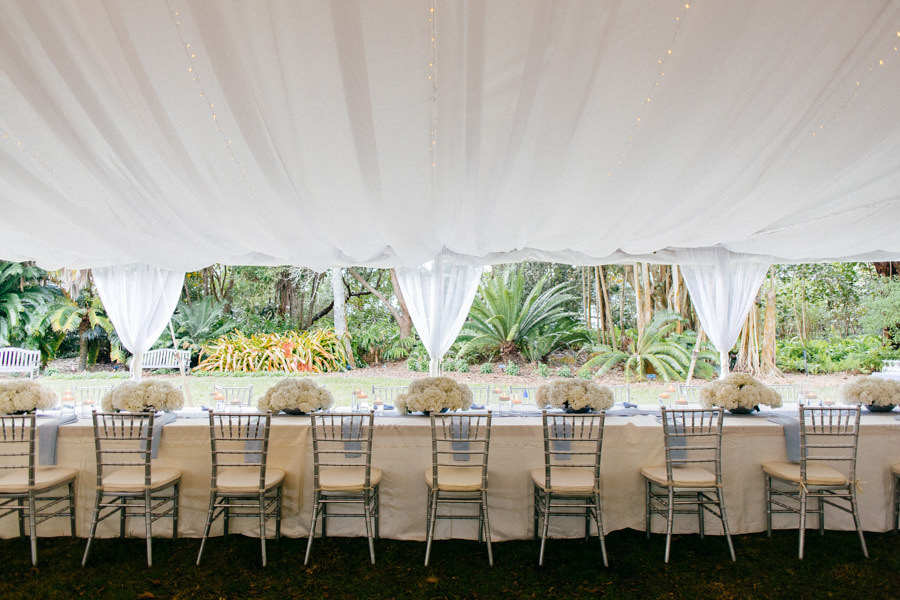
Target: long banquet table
{"x": 402, "y": 449}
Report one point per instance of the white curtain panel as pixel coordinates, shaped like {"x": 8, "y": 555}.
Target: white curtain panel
{"x": 722, "y": 285}
{"x": 139, "y": 300}
{"x": 330, "y": 133}
{"x": 439, "y": 295}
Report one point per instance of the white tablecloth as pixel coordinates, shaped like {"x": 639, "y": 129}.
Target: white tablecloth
{"x": 403, "y": 452}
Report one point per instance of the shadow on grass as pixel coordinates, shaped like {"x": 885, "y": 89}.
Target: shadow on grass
{"x": 339, "y": 568}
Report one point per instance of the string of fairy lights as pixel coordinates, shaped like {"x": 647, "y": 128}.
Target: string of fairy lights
{"x": 657, "y": 81}
{"x": 856, "y": 86}
{"x": 191, "y": 56}
{"x": 432, "y": 77}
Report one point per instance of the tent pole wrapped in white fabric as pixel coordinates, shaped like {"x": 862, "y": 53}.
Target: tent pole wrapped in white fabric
{"x": 178, "y": 134}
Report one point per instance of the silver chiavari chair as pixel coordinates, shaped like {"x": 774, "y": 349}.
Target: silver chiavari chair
{"x": 460, "y": 446}
{"x": 826, "y": 473}
{"x": 691, "y": 480}
{"x": 89, "y": 398}
{"x": 569, "y": 483}
{"x": 387, "y": 394}
{"x": 232, "y": 397}
{"x": 34, "y": 493}
{"x": 128, "y": 484}
{"x": 343, "y": 474}
{"x": 242, "y": 485}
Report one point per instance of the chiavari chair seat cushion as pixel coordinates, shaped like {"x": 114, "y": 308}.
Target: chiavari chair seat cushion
{"x": 348, "y": 479}
{"x": 44, "y": 478}
{"x": 455, "y": 479}
{"x": 682, "y": 476}
{"x": 246, "y": 481}
{"x": 566, "y": 482}
{"x": 816, "y": 474}
{"x": 131, "y": 479}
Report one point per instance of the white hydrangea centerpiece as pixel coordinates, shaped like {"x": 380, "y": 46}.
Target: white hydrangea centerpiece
{"x": 738, "y": 391}
{"x": 871, "y": 391}
{"x": 300, "y": 395}
{"x": 434, "y": 394}
{"x": 25, "y": 396}
{"x": 575, "y": 395}
{"x": 150, "y": 394}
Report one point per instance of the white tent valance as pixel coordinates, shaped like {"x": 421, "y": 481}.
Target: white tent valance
{"x": 325, "y": 133}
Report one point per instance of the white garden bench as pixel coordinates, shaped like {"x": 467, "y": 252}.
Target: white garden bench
{"x": 166, "y": 358}
{"x": 20, "y": 360}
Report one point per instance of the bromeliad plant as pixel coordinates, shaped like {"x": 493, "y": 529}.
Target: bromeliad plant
{"x": 317, "y": 351}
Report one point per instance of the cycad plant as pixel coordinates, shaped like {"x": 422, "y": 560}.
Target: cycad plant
{"x": 505, "y": 319}
{"x": 650, "y": 351}
{"x": 21, "y": 297}
{"x": 197, "y": 323}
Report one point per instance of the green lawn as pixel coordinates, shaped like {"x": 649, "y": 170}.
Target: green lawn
{"x": 339, "y": 568}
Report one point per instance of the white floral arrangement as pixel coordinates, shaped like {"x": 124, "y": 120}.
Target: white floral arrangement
{"x": 575, "y": 394}
{"x": 18, "y": 396}
{"x": 434, "y": 394}
{"x": 871, "y": 391}
{"x": 295, "y": 395}
{"x": 738, "y": 390}
{"x": 150, "y": 394}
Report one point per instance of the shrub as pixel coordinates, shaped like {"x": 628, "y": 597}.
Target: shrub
{"x": 564, "y": 371}
{"x": 543, "y": 370}
{"x": 317, "y": 351}
{"x": 462, "y": 366}
{"x": 486, "y": 368}
{"x": 449, "y": 365}
{"x": 584, "y": 373}
{"x": 512, "y": 369}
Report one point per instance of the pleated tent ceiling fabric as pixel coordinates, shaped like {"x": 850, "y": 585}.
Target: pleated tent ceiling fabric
{"x": 183, "y": 133}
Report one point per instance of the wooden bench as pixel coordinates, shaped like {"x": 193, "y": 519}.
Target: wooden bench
{"x": 20, "y": 360}
{"x": 167, "y": 358}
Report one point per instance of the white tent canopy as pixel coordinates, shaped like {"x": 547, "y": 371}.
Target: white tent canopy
{"x": 182, "y": 133}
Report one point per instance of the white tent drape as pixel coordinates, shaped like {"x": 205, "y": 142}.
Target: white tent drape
{"x": 140, "y": 300}
{"x": 722, "y": 285}
{"x": 324, "y": 133}
{"x": 439, "y": 294}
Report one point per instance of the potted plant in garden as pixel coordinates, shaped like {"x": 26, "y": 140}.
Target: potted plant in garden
{"x": 434, "y": 394}
{"x": 575, "y": 395}
{"x": 739, "y": 394}
{"x": 876, "y": 394}
{"x": 296, "y": 396}
{"x": 24, "y": 397}
{"x": 150, "y": 394}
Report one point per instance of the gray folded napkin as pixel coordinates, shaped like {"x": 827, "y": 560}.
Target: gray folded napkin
{"x": 351, "y": 431}
{"x": 628, "y": 412}
{"x": 48, "y": 429}
{"x": 791, "y": 426}
{"x": 459, "y": 431}
{"x": 562, "y": 429}
{"x": 160, "y": 420}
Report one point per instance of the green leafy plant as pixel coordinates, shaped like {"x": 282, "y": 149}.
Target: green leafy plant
{"x": 449, "y": 364}
{"x": 564, "y": 371}
{"x": 507, "y": 320}
{"x": 583, "y": 373}
{"x": 649, "y": 352}
{"x": 486, "y": 368}
{"x": 462, "y": 365}
{"x": 21, "y": 297}
{"x": 512, "y": 369}
{"x": 87, "y": 318}
{"x": 197, "y": 323}
{"x": 543, "y": 370}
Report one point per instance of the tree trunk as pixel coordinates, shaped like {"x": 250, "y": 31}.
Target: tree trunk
{"x": 748, "y": 354}
{"x": 404, "y": 321}
{"x": 694, "y": 354}
{"x": 313, "y": 296}
{"x": 340, "y": 314}
{"x": 83, "y": 344}
{"x": 767, "y": 354}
